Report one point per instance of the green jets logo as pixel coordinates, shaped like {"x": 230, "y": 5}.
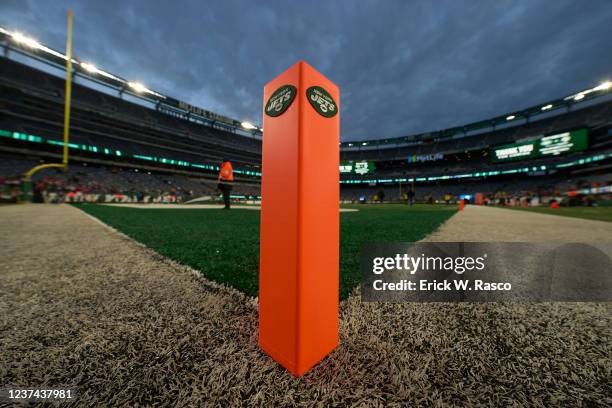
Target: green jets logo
{"x": 322, "y": 101}
{"x": 280, "y": 100}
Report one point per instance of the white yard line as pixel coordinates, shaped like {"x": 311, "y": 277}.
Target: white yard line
{"x": 490, "y": 224}
{"x": 198, "y": 207}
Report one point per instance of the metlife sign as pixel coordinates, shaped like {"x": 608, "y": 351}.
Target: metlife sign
{"x": 416, "y": 158}
{"x": 360, "y": 168}
{"x": 545, "y": 146}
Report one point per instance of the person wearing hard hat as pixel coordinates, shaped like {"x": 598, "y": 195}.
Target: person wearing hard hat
{"x": 225, "y": 181}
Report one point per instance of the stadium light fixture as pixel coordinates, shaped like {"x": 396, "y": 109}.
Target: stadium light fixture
{"x": 29, "y": 42}
{"x": 364, "y": 144}
{"x": 604, "y": 86}
{"x": 510, "y": 117}
{"x": 32, "y": 43}
{"x": 137, "y": 86}
{"x": 248, "y": 125}
{"x": 547, "y": 107}
{"x": 89, "y": 67}
{"x": 24, "y": 40}
{"x": 140, "y": 88}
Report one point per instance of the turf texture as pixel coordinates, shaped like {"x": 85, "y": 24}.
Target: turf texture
{"x": 589, "y": 213}
{"x": 224, "y": 245}
{"x": 87, "y": 309}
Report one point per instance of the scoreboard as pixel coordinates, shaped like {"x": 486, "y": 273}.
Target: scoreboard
{"x": 360, "y": 167}
{"x": 545, "y": 146}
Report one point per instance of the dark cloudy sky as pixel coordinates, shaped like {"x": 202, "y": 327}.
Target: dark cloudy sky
{"x": 403, "y": 66}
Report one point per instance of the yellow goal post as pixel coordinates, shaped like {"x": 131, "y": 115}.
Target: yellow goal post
{"x": 67, "y": 97}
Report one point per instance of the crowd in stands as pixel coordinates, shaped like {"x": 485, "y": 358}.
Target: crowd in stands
{"x": 84, "y": 182}
{"x": 88, "y": 183}
{"x": 592, "y": 116}
{"x": 124, "y": 132}
{"x": 32, "y": 103}
{"x": 587, "y": 191}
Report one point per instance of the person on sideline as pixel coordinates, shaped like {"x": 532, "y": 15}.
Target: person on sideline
{"x": 225, "y": 181}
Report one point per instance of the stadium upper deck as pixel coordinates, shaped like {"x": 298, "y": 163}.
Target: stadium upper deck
{"x": 118, "y": 129}
{"x": 594, "y": 117}
{"x": 108, "y": 128}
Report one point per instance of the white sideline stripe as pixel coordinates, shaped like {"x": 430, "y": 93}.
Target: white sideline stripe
{"x": 251, "y": 301}
{"x": 197, "y": 207}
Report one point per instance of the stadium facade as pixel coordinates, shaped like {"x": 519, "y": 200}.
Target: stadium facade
{"x": 128, "y": 140}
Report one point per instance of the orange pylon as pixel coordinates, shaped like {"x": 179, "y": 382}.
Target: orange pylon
{"x": 298, "y": 277}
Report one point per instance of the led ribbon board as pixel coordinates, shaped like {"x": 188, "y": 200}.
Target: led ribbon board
{"x": 546, "y": 146}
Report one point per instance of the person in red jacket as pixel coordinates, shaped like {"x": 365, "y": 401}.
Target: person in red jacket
{"x": 225, "y": 181}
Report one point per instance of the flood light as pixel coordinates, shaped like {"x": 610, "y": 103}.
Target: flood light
{"x": 89, "y": 67}
{"x": 248, "y": 125}
{"x": 22, "y": 39}
{"x": 137, "y": 86}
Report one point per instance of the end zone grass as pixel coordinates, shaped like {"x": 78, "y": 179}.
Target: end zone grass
{"x": 83, "y": 308}
{"x": 589, "y": 213}
{"x": 224, "y": 245}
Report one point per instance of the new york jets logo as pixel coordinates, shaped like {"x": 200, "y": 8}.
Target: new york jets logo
{"x": 322, "y": 101}
{"x": 280, "y": 100}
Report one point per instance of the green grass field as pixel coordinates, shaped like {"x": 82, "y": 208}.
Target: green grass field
{"x": 224, "y": 245}
{"x": 589, "y": 213}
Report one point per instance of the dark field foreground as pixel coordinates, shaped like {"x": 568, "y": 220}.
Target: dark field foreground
{"x": 82, "y": 306}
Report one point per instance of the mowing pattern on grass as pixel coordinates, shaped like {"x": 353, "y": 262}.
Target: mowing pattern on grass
{"x": 126, "y": 327}
{"x": 589, "y": 213}
{"x": 224, "y": 245}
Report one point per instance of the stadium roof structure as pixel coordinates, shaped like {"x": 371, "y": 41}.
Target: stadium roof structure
{"x": 25, "y": 45}
{"x": 16, "y": 41}
{"x": 507, "y": 119}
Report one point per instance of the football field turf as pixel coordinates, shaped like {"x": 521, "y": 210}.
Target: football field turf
{"x": 94, "y": 311}
{"x": 589, "y": 213}
{"x": 224, "y": 245}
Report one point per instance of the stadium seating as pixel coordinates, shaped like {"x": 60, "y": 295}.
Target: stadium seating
{"x": 100, "y": 180}
{"x": 110, "y": 130}
{"x": 592, "y": 117}
{"x": 31, "y": 101}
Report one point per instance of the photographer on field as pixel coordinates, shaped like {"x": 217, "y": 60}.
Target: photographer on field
{"x": 225, "y": 181}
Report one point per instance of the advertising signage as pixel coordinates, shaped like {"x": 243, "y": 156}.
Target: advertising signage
{"x": 545, "y": 146}
{"x": 416, "y": 158}
{"x": 361, "y": 167}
